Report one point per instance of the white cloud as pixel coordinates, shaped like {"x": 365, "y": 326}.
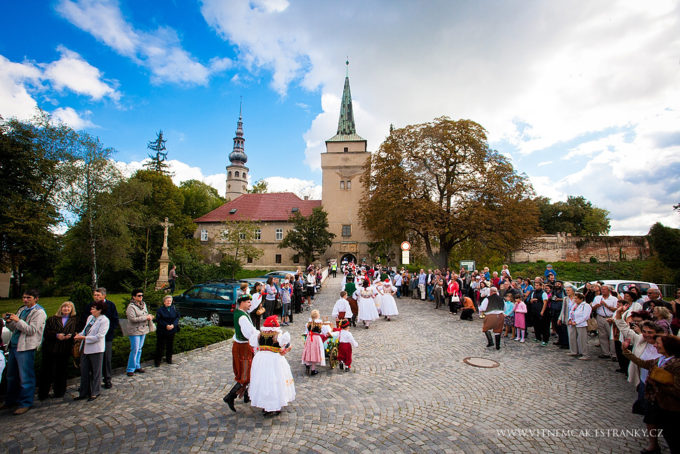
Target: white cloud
{"x": 73, "y": 72}
{"x": 160, "y": 51}
{"x": 15, "y": 81}
{"x": 544, "y": 163}
{"x": 183, "y": 172}
{"x": 72, "y": 118}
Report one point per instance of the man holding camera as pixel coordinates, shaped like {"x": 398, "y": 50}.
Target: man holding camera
{"x": 27, "y": 327}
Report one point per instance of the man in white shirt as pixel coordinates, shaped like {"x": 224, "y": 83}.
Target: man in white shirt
{"x": 397, "y": 283}
{"x": 604, "y": 306}
{"x": 241, "y": 351}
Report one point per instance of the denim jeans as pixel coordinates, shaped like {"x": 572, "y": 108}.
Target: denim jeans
{"x": 136, "y": 344}
{"x": 20, "y": 377}
{"x": 430, "y": 296}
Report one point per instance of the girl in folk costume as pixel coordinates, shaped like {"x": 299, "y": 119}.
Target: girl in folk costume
{"x": 520, "y": 318}
{"x": 313, "y": 353}
{"x": 367, "y": 311}
{"x": 342, "y": 310}
{"x": 389, "y": 305}
{"x": 345, "y": 343}
{"x": 271, "y": 382}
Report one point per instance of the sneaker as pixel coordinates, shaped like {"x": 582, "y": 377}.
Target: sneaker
{"x": 21, "y": 410}
{"x": 584, "y": 358}
{"x": 516, "y": 339}
{"x": 544, "y": 344}
{"x": 572, "y": 354}
{"x": 521, "y": 341}
{"x": 537, "y": 340}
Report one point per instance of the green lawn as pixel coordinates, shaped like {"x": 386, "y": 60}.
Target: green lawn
{"x": 52, "y": 303}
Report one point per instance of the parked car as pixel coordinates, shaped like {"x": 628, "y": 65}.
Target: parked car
{"x": 278, "y": 274}
{"x": 622, "y": 285}
{"x": 215, "y": 301}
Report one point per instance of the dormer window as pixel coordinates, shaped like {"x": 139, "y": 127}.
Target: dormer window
{"x": 233, "y": 211}
{"x": 295, "y": 209}
{"x": 346, "y": 149}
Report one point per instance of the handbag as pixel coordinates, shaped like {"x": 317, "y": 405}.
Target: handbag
{"x": 455, "y": 299}
{"x": 259, "y": 310}
{"x": 77, "y": 348}
{"x": 152, "y": 326}
{"x": 592, "y": 324}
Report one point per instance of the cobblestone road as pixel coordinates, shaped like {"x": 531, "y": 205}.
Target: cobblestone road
{"x": 409, "y": 391}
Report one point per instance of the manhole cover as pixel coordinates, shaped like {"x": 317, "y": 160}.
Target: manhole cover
{"x": 481, "y": 362}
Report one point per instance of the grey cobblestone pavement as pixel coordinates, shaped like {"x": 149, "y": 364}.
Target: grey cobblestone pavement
{"x": 409, "y": 391}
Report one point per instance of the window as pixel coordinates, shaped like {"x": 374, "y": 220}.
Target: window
{"x": 207, "y": 293}
{"x": 250, "y": 260}
{"x": 296, "y": 258}
{"x": 342, "y": 184}
{"x": 224, "y": 293}
{"x": 346, "y": 150}
{"x": 230, "y": 174}
{"x": 236, "y": 174}
{"x": 279, "y": 234}
{"x": 347, "y": 230}
{"x": 244, "y": 174}
{"x": 193, "y": 292}
{"x": 349, "y": 185}
{"x": 278, "y": 258}
{"x": 258, "y": 234}
{"x": 241, "y": 236}
{"x": 204, "y": 235}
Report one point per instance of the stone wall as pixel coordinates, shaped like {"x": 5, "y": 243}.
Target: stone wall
{"x": 563, "y": 247}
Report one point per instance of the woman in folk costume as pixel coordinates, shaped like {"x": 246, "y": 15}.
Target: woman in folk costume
{"x": 313, "y": 353}
{"x": 389, "y": 305}
{"x": 367, "y": 311}
{"x": 351, "y": 288}
{"x": 271, "y": 382}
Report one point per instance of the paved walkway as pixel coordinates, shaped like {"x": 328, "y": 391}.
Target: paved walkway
{"x": 409, "y": 391}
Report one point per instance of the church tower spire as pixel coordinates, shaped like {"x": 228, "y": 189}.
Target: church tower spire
{"x": 347, "y": 130}
{"x": 237, "y": 172}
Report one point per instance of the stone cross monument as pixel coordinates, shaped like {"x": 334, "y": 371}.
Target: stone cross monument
{"x": 165, "y": 258}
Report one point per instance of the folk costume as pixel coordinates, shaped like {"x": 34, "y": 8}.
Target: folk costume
{"x": 314, "y": 353}
{"x": 342, "y": 310}
{"x": 367, "y": 310}
{"x": 493, "y": 320}
{"x": 345, "y": 343}
{"x": 241, "y": 354}
{"x": 389, "y": 305}
{"x": 351, "y": 289}
{"x": 378, "y": 294}
{"x": 271, "y": 381}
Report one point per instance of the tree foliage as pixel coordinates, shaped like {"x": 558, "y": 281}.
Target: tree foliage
{"x": 259, "y": 187}
{"x": 158, "y": 156}
{"x": 665, "y": 241}
{"x": 577, "y": 216}
{"x": 199, "y": 198}
{"x": 441, "y": 182}
{"x": 31, "y": 156}
{"x": 238, "y": 244}
{"x": 309, "y": 236}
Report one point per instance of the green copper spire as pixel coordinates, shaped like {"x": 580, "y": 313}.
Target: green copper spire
{"x": 346, "y": 128}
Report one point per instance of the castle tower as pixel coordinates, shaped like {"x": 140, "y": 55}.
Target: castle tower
{"x": 237, "y": 172}
{"x": 342, "y": 166}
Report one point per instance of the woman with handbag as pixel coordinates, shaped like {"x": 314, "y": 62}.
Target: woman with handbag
{"x": 139, "y": 325}
{"x": 56, "y": 350}
{"x": 93, "y": 339}
{"x": 167, "y": 320}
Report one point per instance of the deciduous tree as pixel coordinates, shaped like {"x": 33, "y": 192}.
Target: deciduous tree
{"x": 442, "y": 182}
{"x": 577, "y": 216}
{"x": 238, "y": 244}
{"x": 310, "y": 236}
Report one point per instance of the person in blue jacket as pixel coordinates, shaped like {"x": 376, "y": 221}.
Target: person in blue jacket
{"x": 167, "y": 321}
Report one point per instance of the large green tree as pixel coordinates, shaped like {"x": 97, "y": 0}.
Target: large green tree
{"x": 31, "y": 158}
{"x": 577, "y": 216}
{"x": 309, "y": 236}
{"x": 86, "y": 177}
{"x": 238, "y": 244}
{"x": 441, "y": 182}
{"x": 199, "y": 198}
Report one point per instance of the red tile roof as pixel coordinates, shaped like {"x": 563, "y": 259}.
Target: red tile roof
{"x": 276, "y": 206}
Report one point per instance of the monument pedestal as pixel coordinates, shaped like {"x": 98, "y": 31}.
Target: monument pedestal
{"x": 165, "y": 258}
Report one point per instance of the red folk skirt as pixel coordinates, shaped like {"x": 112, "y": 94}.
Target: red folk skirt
{"x": 345, "y": 353}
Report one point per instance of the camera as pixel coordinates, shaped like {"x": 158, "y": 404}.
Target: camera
{"x": 7, "y": 316}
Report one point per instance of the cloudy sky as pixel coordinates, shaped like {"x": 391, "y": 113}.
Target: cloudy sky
{"x": 584, "y": 96}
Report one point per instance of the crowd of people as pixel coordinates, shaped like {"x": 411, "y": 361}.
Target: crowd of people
{"x": 638, "y": 332}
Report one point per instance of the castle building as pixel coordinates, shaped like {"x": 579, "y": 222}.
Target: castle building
{"x": 341, "y": 165}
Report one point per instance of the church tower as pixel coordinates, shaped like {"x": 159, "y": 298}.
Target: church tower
{"x": 237, "y": 172}
{"x": 342, "y": 166}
